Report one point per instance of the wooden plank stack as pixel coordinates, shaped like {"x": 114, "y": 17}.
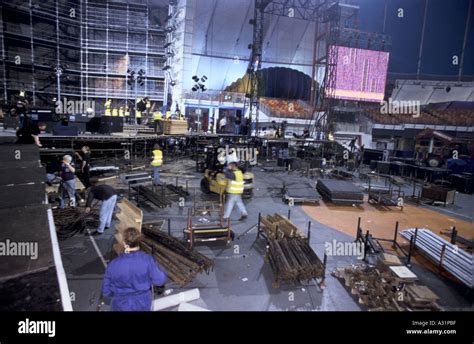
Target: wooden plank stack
{"x": 277, "y": 226}
{"x": 290, "y": 256}
{"x": 180, "y": 263}
{"x": 175, "y": 127}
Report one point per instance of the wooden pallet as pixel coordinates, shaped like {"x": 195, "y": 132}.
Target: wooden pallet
{"x": 278, "y": 226}
{"x": 175, "y": 127}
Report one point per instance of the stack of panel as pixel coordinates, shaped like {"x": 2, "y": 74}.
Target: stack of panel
{"x": 340, "y": 191}
{"x": 453, "y": 259}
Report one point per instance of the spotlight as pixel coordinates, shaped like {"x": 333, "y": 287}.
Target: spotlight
{"x": 173, "y": 83}
{"x": 166, "y": 67}
{"x": 195, "y": 78}
{"x": 167, "y": 45}
{"x": 204, "y": 78}
{"x": 202, "y": 87}
{"x": 195, "y": 88}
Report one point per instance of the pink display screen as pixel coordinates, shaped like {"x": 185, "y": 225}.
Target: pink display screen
{"x": 360, "y": 74}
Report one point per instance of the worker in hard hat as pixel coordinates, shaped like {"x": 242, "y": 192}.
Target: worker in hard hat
{"x": 234, "y": 189}
{"x": 120, "y": 112}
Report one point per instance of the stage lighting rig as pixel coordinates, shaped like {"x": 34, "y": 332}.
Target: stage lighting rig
{"x": 199, "y": 83}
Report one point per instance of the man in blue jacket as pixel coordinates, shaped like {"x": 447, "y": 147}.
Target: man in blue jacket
{"x": 129, "y": 278}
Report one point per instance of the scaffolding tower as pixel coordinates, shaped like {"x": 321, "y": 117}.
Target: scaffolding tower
{"x": 83, "y": 50}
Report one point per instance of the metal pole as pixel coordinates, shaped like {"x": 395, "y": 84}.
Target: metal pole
{"x": 464, "y": 44}
{"x": 395, "y": 235}
{"x": 441, "y": 258}
{"x": 5, "y": 92}
{"x": 169, "y": 227}
{"x": 57, "y": 54}
{"x": 420, "y": 55}
{"x": 410, "y": 252}
{"x": 309, "y": 231}
{"x": 33, "y": 85}
{"x": 366, "y": 244}
{"x": 454, "y": 235}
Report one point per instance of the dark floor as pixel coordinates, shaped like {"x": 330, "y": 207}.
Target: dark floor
{"x": 241, "y": 280}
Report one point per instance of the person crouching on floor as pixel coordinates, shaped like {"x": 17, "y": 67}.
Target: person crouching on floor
{"x": 129, "y": 278}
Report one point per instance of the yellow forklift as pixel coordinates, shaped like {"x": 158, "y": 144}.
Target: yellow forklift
{"x": 214, "y": 180}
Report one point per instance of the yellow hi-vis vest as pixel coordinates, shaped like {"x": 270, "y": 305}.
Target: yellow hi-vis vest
{"x": 157, "y": 116}
{"x": 115, "y": 112}
{"x": 157, "y": 158}
{"x": 107, "y": 107}
{"x": 168, "y": 114}
{"x": 236, "y": 186}
{"x": 138, "y": 114}
{"x": 127, "y": 112}
{"x": 121, "y": 112}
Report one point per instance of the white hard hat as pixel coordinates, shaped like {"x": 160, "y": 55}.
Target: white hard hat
{"x": 232, "y": 158}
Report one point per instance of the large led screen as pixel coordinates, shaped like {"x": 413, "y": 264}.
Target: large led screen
{"x": 360, "y": 74}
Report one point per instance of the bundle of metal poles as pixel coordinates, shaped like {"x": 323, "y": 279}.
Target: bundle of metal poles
{"x": 156, "y": 198}
{"x": 448, "y": 256}
{"x": 290, "y": 256}
{"x": 179, "y": 190}
{"x": 72, "y": 221}
{"x": 180, "y": 263}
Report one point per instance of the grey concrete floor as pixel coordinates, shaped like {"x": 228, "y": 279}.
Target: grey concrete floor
{"x": 241, "y": 280}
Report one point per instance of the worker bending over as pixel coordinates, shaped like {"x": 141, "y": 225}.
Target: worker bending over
{"x": 234, "y": 190}
{"x": 156, "y": 163}
{"x": 129, "y": 278}
{"x": 108, "y": 196}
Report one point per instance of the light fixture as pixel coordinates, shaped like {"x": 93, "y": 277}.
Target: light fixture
{"x": 167, "y": 45}
{"x": 204, "y": 78}
{"x": 195, "y": 78}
